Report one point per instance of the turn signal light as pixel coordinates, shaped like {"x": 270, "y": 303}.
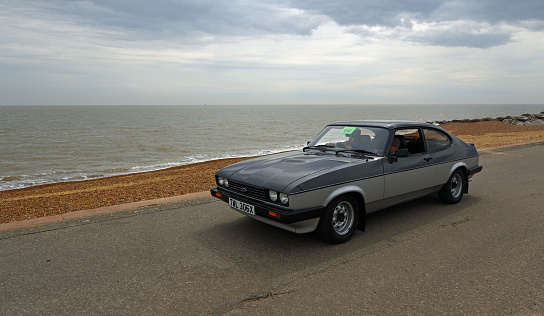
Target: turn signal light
{"x": 276, "y": 215}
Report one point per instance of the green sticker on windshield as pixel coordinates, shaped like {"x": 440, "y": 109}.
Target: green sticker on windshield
{"x": 348, "y": 130}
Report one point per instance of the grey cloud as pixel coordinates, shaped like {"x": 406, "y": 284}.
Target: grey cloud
{"x": 447, "y": 34}
{"x": 186, "y": 18}
{"x": 462, "y": 39}
{"x": 369, "y": 12}
{"x": 395, "y": 16}
{"x": 389, "y": 12}
{"x": 491, "y": 11}
{"x": 170, "y": 20}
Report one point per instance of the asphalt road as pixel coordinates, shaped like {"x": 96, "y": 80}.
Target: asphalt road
{"x": 482, "y": 256}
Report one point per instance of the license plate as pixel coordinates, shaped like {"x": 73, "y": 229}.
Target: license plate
{"x": 241, "y": 206}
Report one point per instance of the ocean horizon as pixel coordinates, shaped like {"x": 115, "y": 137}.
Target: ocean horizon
{"x": 51, "y": 144}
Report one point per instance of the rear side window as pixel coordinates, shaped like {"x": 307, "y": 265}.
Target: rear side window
{"x": 411, "y": 139}
{"x": 436, "y": 139}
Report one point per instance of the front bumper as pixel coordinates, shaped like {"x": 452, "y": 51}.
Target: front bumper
{"x": 298, "y": 221}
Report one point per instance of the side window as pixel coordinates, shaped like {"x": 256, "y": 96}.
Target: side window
{"x": 411, "y": 139}
{"x": 436, "y": 139}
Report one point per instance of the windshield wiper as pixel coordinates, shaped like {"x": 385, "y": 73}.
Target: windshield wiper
{"x": 358, "y": 151}
{"x": 320, "y": 147}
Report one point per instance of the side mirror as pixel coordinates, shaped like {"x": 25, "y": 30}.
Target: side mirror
{"x": 403, "y": 152}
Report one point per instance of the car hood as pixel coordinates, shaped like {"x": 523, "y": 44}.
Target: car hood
{"x": 276, "y": 172}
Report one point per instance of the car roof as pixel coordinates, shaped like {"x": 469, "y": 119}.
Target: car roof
{"x": 385, "y": 124}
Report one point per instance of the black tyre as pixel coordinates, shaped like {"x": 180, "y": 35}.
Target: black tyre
{"x": 339, "y": 221}
{"x": 452, "y": 191}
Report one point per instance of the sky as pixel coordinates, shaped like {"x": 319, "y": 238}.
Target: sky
{"x": 191, "y": 52}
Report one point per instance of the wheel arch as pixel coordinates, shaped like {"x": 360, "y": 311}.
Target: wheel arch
{"x": 463, "y": 167}
{"x": 359, "y": 195}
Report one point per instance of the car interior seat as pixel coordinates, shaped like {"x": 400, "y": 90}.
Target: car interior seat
{"x": 402, "y": 141}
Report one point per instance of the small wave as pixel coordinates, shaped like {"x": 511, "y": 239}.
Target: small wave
{"x": 187, "y": 160}
{"x": 12, "y": 178}
{"x": 24, "y": 183}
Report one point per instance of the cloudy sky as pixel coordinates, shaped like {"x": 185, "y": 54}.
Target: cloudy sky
{"x": 271, "y": 52}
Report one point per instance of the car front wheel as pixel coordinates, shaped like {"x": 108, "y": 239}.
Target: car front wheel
{"x": 339, "y": 221}
{"x": 453, "y": 190}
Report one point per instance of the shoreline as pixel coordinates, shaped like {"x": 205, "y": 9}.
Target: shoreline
{"x": 76, "y": 196}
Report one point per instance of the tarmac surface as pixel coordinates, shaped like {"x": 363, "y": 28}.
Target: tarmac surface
{"x": 482, "y": 256}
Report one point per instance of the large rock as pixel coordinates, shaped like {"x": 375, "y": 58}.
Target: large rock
{"x": 524, "y": 119}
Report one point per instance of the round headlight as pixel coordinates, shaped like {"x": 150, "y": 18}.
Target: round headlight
{"x": 284, "y": 198}
{"x": 221, "y": 180}
{"x": 273, "y": 195}
{"x": 226, "y": 182}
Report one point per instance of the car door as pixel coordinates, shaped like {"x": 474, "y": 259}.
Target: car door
{"x": 412, "y": 176}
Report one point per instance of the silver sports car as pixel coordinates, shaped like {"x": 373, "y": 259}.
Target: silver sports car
{"x": 349, "y": 170}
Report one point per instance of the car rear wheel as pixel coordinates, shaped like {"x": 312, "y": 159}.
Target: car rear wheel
{"x": 452, "y": 191}
{"x": 339, "y": 221}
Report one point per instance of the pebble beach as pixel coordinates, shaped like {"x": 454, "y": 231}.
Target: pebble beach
{"x": 60, "y": 198}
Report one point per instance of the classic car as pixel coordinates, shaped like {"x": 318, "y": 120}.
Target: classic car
{"x": 349, "y": 170}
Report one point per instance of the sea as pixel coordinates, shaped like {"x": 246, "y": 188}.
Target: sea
{"x": 51, "y": 144}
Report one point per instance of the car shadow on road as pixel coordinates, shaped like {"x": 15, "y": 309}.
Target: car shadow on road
{"x": 255, "y": 244}
{"x": 414, "y": 214}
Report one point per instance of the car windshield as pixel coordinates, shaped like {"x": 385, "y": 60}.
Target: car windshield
{"x": 370, "y": 140}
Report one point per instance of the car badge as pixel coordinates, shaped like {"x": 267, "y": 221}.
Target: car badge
{"x": 243, "y": 190}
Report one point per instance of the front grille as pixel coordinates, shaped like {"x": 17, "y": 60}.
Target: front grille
{"x": 248, "y": 191}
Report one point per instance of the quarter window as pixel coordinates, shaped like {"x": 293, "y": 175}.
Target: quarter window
{"x": 410, "y": 139}
{"x": 436, "y": 139}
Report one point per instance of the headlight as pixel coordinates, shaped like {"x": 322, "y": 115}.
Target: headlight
{"x": 284, "y": 198}
{"x": 223, "y": 181}
{"x": 273, "y": 195}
